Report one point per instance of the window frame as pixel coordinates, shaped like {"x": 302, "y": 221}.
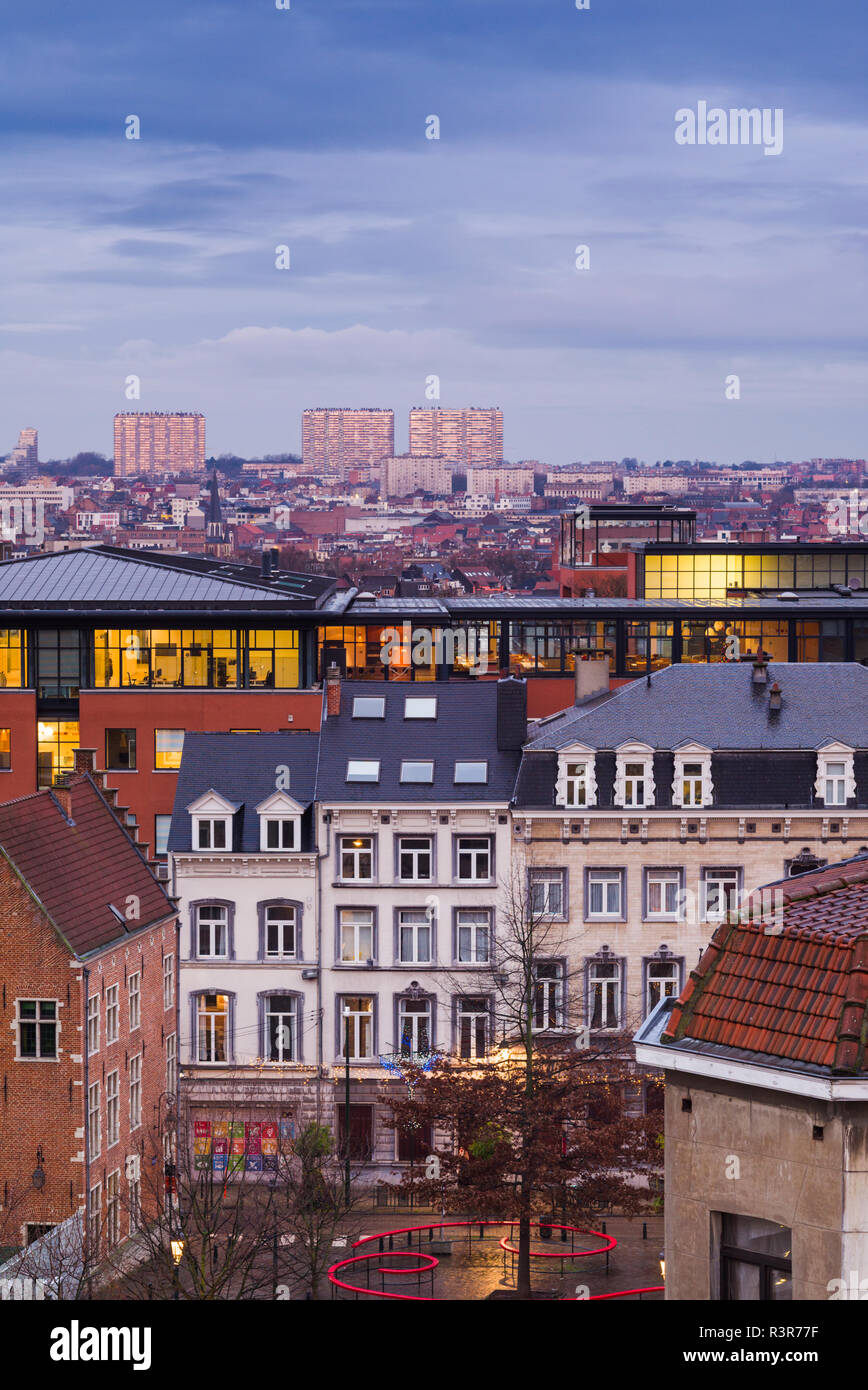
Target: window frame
{"x": 359, "y": 961}
{"x": 429, "y": 924}
{"x": 131, "y": 765}
{"x": 38, "y": 1023}
{"x": 289, "y": 906}
{"x": 431, "y": 841}
{"x": 669, "y": 872}
{"x": 341, "y": 1030}
{"x": 549, "y": 873}
{"x": 113, "y": 1013}
{"x": 607, "y": 874}
{"x": 134, "y": 1015}
{"x": 167, "y": 752}
{"x": 194, "y": 908}
{"x": 463, "y": 838}
{"x": 356, "y": 853}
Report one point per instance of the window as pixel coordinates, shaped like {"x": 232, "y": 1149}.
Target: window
{"x": 93, "y": 1024}
{"x": 280, "y": 924}
{"x": 168, "y": 746}
{"x": 604, "y": 893}
{"x": 663, "y": 893}
{"x": 835, "y": 789}
{"x": 136, "y": 1091}
{"x": 112, "y": 1014}
{"x": 360, "y": 1140}
{"x": 281, "y": 1027}
{"x": 662, "y": 978}
{"x": 414, "y": 859}
{"x": 604, "y": 994}
{"x": 720, "y": 892}
{"x": 94, "y": 1218}
{"x": 414, "y": 936}
{"x": 471, "y": 772}
{"x": 37, "y": 1028}
{"x": 94, "y": 1136}
{"x": 11, "y": 665}
{"x": 280, "y": 832}
{"x": 134, "y": 1190}
{"x": 548, "y": 892}
{"x": 135, "y": 997}
{"x": 548, "y": 1007}
{"x": 168, "y": 982}
{"x": 634, "y": 784}
{"x": 356, "y": 1027}
{"x": 756, "y": 1263}
{"x": 420, "y": 707}
{"x": 357, "y": 857}
{"x": 473, "y": 1024}
{"x": 473, "y": 928}
{"x": 356, "y": 935}
{"x": 5, "y": 750}
{"x": 691, "y": 784}
{"x": 369, "y": 707}
{"x": 162, "y": 826}
{"x": 212, "y": 935}
{"x": 474, "y": 859}
{"x": 57, "y": 740}
{"x": 363, "y": 770}
{"x": 213, "y": 832}
{"x": 112, "y": 1108}
{"x": 417, "y": 771}
{"x": 577, "y": 784}
{"x": 414, "y": 1027}
{"x": 171, "y": 1063}
{"x": 120, "y": 750}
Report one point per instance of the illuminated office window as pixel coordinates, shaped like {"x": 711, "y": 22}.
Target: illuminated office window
{"x": 272, "y": 658}
{"x": 56, "y": 741}
{"x": 11, "y": 657}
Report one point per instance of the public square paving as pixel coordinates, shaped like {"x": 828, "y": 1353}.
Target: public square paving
{"x": 478, "y": 1269}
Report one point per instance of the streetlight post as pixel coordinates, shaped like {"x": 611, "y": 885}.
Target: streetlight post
{"x": 347, "y": 1017}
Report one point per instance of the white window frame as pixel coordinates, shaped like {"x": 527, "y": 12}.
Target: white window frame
{"x": 212, "y": 926}
{"x": 112, "y": 1108}
{"x": 665, "y": 913}
{"x": 206, "y": 827}
{"x": 690, "y": 755}
{"x": 168, "y": 981}
{"x": 133, "y": 1174}
{"x": 94, "y": 1126}
{"x": 411, "y": 1014}
{"x": 475, "y": 854}
{"x": 604, "y": 877}
{"x": 92, "y": 1024}
{"x": 576, "y": 785}
{"x": 355, "y": 854}
{"x": 611, "y": 985}
{"x": 356, "y": 1016}
{"x": 417, "y": 920}
{"x": 843, "y": 784}
{"x": 360, "y": 919}
{"x": 134, "y": 999}
{"x": 136, "y": 1091}
{"x": 629, "y": 755}
{"x": 288, "y": 919}
{"x": 725, "y": 874}
{"x": 171, "y": 1063}
{"x": 363, "y": 770}
{"x": 94, "y": 1223}
{"x": 651, "y": 978}
{"x": 287, "y": 828}
{"x": 37, "y": 1022}
{"x": 547, "y": 877}
{"x": 478, "y": 925}
{"x": 112, "y": 1014}
{"x": 413, "y": 857}
{"x": 211, "y": 1015}
{"x": 548, "y": 994}
{"x": 472, "y": 1017}
{"x": 292, "y": 1016}
{"x": 113, "y": 1208}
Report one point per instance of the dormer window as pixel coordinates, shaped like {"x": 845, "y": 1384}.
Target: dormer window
{"x": 634, "y": 776}
{"x": 691, "y": 785}
{"x": 211, "y": 818}
{"x": 279, "y": 823}
{"x": 836, "y": 781}
{"x": 577, "y": 783}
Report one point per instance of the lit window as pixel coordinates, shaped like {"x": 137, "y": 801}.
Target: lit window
{"x": 473, "y": 1024}
{"x": 363, "y": 770}
{"x": 168, "y": 747}
{"x": 5, "y": 750}
{"x": 357, "y": 857}
{"x": 212, "y": 1027}
{"x": 357, "y": 1028}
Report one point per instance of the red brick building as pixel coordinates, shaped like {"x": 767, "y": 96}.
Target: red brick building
{"x": 88, "y": 965}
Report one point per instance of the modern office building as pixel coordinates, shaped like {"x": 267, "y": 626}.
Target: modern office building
{"x": 335, "y": 440}
{"x": 149, "y": 444}
{"x": 467, "y": 438}
{"x": 25, "y": 456}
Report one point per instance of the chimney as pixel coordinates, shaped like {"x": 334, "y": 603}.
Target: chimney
{"x": 760, "y": 670}
{"x": 511, "y": 713}
{"x": 85, "y": 759}
{"x": 333, "y": 692}
{"x": 592, "y": 678}
{"x": 266, "y": 563}
{"x": 774, "y": 698}
{"x": 62, "y": 793}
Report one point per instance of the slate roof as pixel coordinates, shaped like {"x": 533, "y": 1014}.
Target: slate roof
{"x": 242, "y": 768}
{"x": 799, "y": 997}
{"x": 718, "y": 707}
{"x": 76, "y": 870}
{"x": 465, "y": 729}
{"x": 101, "y": 575}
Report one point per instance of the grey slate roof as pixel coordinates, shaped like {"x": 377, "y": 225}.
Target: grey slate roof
{"x": 465, "y": 729}
{"x": 717, "y": 706}
{"x": 102, "y": 574}
{"x": 242, "y": 768}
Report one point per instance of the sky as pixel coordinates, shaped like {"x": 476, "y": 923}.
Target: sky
{"x": 454, "y": 258}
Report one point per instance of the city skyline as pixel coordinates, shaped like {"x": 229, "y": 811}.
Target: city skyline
{"x": 413, "y": 258}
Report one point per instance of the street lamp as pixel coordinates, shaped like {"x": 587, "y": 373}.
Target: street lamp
{"x": 663, "y": 1265}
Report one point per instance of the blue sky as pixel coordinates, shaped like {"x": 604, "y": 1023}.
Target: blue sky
{"x": 412, "y": 257}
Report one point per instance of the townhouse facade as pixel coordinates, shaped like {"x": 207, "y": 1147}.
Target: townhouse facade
{"x": 88, "y": 1030}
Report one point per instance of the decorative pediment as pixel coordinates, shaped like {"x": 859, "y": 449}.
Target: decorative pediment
{"x": 279, "y": 804}
{"x": 211, "y": 803}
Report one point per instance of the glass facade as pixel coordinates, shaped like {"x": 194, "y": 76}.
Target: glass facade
{"x": 712, "y": 576}
{"x": 212, "y": 658}
{"x": 11, "y": 657}
{"x": 56, "y": 741}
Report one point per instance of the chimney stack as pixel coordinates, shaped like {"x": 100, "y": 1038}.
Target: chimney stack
{"x": 85, "y": 759}
{"x": 333, "y": 692}
{"x": 774, "y": 698}
{"x": 592, "y": 678}
{"x": 511, "y": 713}
{"x": 62, "y": 793}
{"x": 760, "y": 670}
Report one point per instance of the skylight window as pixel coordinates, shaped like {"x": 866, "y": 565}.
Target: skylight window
{"x": 419, "y": 707}
{"x": 417, "y": 771}
{"x": 369, "y": 707}
{"x": 471, "y": 772}
{"x": 363, "y": 770}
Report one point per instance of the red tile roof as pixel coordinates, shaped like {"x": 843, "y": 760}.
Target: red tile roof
{"x": 77, "y": 869}
{"x": 799, "y": 993}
